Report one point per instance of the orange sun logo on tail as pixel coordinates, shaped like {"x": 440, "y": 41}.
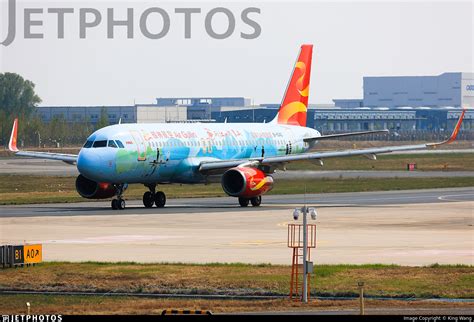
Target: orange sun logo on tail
{"x": 295, "y": 103}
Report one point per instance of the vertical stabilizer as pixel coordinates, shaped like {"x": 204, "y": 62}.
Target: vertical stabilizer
{"x": 295, "y": 102}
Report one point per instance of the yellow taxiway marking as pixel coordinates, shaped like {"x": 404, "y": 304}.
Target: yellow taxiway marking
{"x": 270, "y": 243}
{"x": 286, "y": 223}
{"x": 258, "y": 243}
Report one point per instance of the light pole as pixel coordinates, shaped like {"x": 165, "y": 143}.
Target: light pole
{"x": 304, "y": 210}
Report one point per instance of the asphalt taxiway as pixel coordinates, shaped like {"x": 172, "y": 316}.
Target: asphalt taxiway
{"x": 229, "y": 204}
{"x": 419, "y": 227}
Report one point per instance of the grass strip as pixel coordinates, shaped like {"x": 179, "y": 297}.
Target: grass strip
{"x": 435, "y": 281}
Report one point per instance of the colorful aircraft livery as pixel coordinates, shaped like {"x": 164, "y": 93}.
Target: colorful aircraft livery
{"x": 242, "y": 156}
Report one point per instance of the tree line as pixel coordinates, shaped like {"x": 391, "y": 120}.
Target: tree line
{"x": 18, "y": 99}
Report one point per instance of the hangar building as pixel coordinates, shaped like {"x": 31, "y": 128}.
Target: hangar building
{"x": 445, "y": 90}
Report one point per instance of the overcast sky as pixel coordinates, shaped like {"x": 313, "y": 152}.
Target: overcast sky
{"x": 351, "y": 39}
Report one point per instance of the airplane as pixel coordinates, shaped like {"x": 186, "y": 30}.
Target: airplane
{"x": 242, "y": 155}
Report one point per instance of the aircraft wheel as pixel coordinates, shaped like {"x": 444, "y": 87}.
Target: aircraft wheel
{"x": 160, "y": 199}
{"x": 244, "y": 202}
{"x": 114, "y": 204}
{"x": 257, "y": 201}
{"x": 148, "y": 199}
{"x": 121, "y": 204}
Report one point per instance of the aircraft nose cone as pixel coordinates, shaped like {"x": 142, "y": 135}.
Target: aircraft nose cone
{"x": 89, "y": 164}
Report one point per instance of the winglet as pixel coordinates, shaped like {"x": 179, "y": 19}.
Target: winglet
{"x": 453, "y": 136}
{"x": 456, "y": 128}
{"x": 13, "y": 138}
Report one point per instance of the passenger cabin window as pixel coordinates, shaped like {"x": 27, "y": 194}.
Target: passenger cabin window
{"x": 120, "y": 144}
{"x": 100, "y": 144}
{"x": 88, "y": 144}
{"x": 112, "y": 144}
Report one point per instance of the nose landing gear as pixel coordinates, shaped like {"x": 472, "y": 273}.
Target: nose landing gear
{"x": 152, "y": 197}
{"x": 119, "y": 203}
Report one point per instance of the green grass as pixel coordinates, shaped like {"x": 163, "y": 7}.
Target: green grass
{"x": 329, "y": 280}
{"x": 21, "y": 189}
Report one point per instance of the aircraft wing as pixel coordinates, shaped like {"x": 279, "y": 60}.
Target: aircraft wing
{"x": 280, "y": 161}
{"x": 68, "y": 158}
{"x": 334, "y": 136}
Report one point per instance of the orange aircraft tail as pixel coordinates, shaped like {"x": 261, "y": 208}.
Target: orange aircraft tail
{"x": 13, "y": 138}
{"x": 295, "y": 102}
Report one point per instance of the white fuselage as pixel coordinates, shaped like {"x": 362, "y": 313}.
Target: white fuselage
{"x": 172, "y": 152}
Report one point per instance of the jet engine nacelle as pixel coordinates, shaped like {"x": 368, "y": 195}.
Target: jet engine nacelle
{"x": 94, "y": 190}
{"x": 246, "y": 182}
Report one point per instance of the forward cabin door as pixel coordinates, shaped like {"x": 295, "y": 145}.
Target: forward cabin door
{"x": 140, "y": 143}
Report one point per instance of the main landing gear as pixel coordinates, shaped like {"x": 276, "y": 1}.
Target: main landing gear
{"x": 256, "y": 201}
{"x": 119, "y": 203}
{"x": 151, "y": 197}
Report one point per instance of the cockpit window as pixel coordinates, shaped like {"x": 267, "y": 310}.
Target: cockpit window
{"x": 112, "y": 144}
{"x": 120, "y": 144}
{"x": 100, "y": 144}
{"x": 88, "y": 144}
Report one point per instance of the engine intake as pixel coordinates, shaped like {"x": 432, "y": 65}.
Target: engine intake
{"x": 94, "y": 190}
{"x": 246, "y": 182}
